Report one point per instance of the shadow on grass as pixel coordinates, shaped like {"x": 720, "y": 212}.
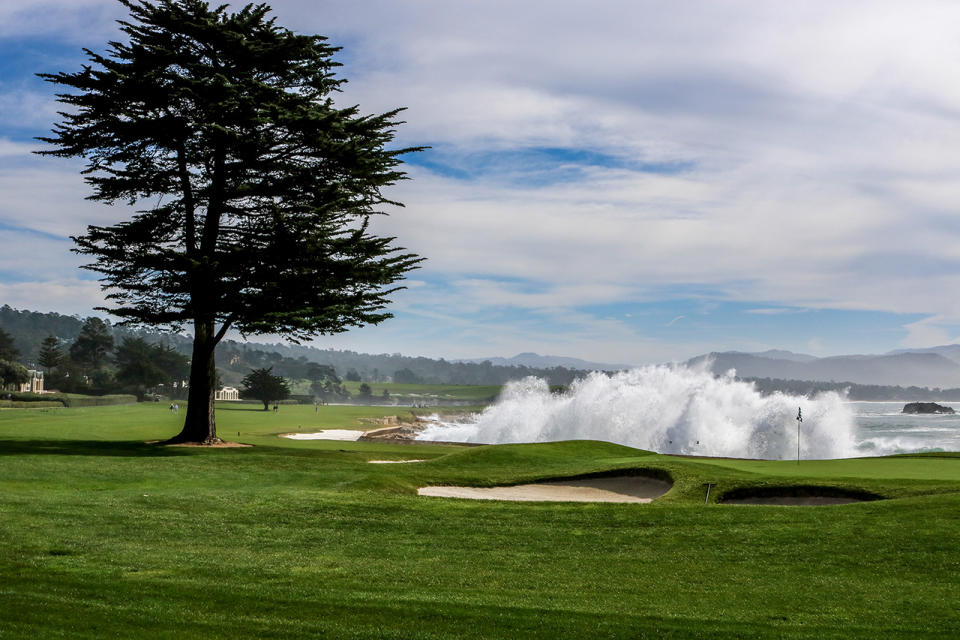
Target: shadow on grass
{"x": 126, "y": 449}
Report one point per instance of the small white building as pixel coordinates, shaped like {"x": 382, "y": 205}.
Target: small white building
{"x": 34, "y": 384}
{"x": 227, "y": 393}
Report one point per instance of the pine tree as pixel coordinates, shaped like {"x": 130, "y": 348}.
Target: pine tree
{"x": 258, "y": 189}
{"x": 50, "y": 354}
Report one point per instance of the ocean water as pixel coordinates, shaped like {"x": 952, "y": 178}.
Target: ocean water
{"x": 678, "y": 409}
{"x": 882, "y": 429}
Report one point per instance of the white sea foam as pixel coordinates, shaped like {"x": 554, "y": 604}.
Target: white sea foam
{"x": 669, "y": 409}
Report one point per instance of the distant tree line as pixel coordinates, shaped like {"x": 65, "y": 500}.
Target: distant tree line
{"x": 93, "y": 363}
{"x": 91, "y": 356}
{"x": 853, "y": 391}
{"x": 234, "y": 359}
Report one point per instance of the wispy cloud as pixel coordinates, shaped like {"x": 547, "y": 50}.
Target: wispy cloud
{"x": 76, "y": 21}
{"x": 776, "y": 311}
{"x": 790, "y": 157}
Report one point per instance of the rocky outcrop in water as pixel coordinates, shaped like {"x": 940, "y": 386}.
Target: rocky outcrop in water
{"x": 926, "y": 407}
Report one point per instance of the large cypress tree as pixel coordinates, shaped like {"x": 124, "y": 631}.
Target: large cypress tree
{"x": 257, "y": 189}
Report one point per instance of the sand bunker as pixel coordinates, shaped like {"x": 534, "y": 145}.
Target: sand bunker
{"x": 326, "y": 434}
{"x": 608, "y": 489}
{"x": 803, "y": 496}
{"x": 793, "y": 500}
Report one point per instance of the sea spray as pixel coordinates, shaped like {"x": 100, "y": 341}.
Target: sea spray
{"x": 669, "y": 409}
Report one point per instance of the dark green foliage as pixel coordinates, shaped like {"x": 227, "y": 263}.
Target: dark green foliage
{"x": 68, "y": 378}
{"x": 29, "y": 328}
{"x": 12, "y": 373}
{"x": 352, "y": 376}
{"x": 325, "y": 384}
{"x": 135, "y": 366}
{"x": 262, "y": 385}
{"x": 328, "y": 391}
{"x": 258, "y": 189}
{"x": 853, "y": 391}
{"x": 141, "y": 365}
{"x": 7, "y": 350}
{"x": 405, "y": 376}
{"x": 100, "y": 382}
{"x": 50, "y": 354}
{"x": 365, "y": 393}
{"x": 321, "y": 372}
{"x": 92, "y": 347}
{"x": 234, "y": 359}
{"x": 77, "y": 400}
{"x": 26, "y": 400}
{"x": 172, "y": 363}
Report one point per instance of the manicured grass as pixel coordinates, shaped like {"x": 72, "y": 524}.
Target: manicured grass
{"x": 104, "y": 536}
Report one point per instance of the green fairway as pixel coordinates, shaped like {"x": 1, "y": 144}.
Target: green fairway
{"x": 105, "y": 536}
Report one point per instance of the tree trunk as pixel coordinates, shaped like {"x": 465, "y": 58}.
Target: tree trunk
{"x": 200, "y": 425}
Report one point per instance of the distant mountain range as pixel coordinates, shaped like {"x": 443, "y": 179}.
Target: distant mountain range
{"x": 951, "y": 351}
{"x": 934, "y": 367}
{"x": 548, "y": 362}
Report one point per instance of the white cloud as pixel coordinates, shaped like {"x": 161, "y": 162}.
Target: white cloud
{"x": 776, "y": 311}
{"x": 929, "y": 332}
{"x": 822, "y": 140}
{"x": 67, "y": 20}
{"x": 51, "y": 198}
{"x": 66, "y": 295}
{"x": 30, "y": 256}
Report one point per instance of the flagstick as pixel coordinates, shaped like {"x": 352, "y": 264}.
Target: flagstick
{"x": 799, "y": 420}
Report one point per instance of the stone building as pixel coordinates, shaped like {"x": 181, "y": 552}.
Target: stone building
{"x": 34, "y": 384}
{"x": 227, "y": 393}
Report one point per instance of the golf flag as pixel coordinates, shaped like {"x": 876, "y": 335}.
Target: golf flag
{"x": 799, "y": 415}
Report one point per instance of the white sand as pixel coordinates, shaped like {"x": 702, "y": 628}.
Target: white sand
{"x": 615, "y": 489}
{"x": 391, "y": 461}
{"x": 326, "y": 434}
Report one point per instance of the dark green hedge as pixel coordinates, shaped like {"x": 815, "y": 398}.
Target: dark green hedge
{"x": 32, "y": 400}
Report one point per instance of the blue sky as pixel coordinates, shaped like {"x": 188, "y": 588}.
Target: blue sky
{"x": 627, "y": 182}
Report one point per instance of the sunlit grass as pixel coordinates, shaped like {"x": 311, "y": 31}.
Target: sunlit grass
{"x": 105, "y": 536}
